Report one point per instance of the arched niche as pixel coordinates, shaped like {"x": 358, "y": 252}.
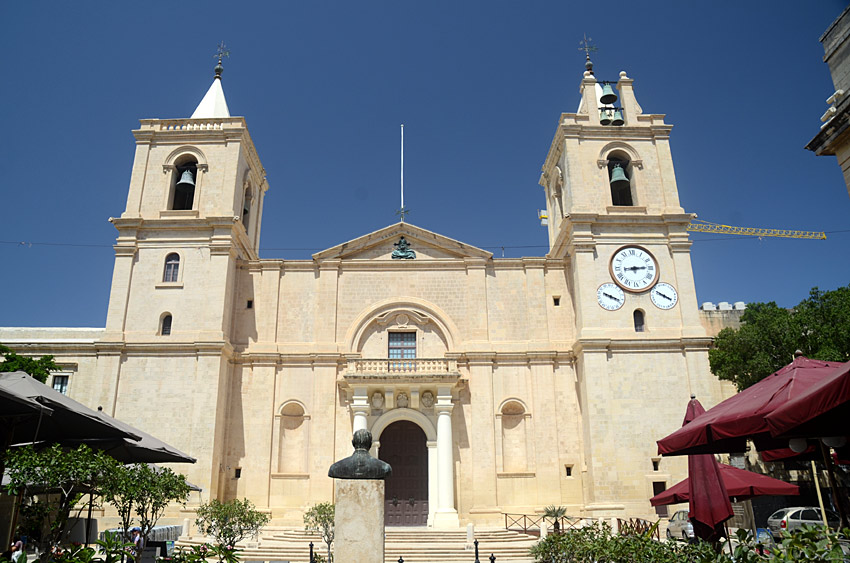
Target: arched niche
{"x": 292, "y": 438}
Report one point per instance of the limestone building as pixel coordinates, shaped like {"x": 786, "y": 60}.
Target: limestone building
{"x": 490, "y": 385}
{"x": 834, "y": 135}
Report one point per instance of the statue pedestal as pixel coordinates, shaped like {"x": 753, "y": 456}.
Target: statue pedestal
{"x": 359, "y": 521}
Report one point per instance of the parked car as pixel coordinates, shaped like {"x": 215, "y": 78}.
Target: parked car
{"x": 679, "y": 527}
{"x": 795, "y": 517}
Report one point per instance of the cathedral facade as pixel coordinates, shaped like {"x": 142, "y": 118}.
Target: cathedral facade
{"x": 491, "y": 385}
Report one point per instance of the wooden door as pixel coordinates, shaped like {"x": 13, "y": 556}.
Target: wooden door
{"x": 406, "y": 494}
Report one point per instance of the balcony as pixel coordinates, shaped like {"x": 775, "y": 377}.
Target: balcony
{"x": 414, "y": 367}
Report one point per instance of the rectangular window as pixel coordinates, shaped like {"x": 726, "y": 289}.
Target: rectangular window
{"x": 402, "y": 346}
{"x": 60, "y": 383}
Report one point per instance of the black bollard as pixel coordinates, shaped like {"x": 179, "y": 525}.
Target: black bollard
{"x": 476, "y": 552}
{"x": 401, "y": 560}
{"x": 492, "y": 558}
{"x": 312, "y": 557}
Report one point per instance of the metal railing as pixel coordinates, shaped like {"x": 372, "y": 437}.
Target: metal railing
{"x": 525, "y": 523}
{"x": 531, "y": 523}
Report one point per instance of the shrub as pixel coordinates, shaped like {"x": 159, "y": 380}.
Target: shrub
{"x": 228, "y": 523}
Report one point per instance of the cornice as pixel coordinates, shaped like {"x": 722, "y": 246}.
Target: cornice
{"x": 686, "y": 344}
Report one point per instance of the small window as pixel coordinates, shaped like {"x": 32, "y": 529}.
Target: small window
{"x": 249, "y": 304}
{"x": 655, "y": 464}
{"x": 556, "y": 300}
{"x": 60, "y": 383}
{"x": 166, "y": 325}
{"x": 569, "y": 470}
{"x": 237, "y": 473}
{"x": 172, "y": 267}
{"x": 640, "y": 324}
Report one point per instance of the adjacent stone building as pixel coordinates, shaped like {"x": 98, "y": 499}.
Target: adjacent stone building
{"x": 834, "y": 135}
{"x": 491, "y": 385}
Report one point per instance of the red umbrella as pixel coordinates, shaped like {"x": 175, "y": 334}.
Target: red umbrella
{"x": 728, "y": 426}
{"x": 823, "y": 410}
{"x": 708, "y": 499}
{"x": 740, "y": 485}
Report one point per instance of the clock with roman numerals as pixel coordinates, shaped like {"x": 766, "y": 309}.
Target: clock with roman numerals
{"x": 634, "y": 269}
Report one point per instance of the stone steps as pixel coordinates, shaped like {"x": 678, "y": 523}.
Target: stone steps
{"x": 415, "y": 545}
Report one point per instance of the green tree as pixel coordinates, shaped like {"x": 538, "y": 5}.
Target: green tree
{"x": 229, "y": 522}
{"x": 38, "y": 368}
{"x": 154, "y": 488}
{"x": 120, "y": 490}
{"x": 66, "y": 475}
{"x": 769, "y": 335}
{"x": 320, "y": 518}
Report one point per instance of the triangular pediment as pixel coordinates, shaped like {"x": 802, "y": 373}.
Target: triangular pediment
{"x": 380, "y": 245}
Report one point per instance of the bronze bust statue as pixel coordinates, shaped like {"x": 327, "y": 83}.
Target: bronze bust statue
{"x": 360, "y": 465}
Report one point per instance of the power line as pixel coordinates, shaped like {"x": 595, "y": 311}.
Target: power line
{"x": 29, "y": 244}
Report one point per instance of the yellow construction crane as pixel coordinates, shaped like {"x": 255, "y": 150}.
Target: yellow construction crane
{"x": 700, "y": 226}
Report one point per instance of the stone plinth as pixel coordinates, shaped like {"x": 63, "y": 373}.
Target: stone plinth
{"x": 359, "y": 520}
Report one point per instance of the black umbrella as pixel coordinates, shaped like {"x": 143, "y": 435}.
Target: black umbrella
{"x": 62, "y": 418}
{"x": 146, "y": 450}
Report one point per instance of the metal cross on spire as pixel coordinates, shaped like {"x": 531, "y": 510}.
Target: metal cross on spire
{"x": 221, "y": 51}
{"x": 588, "y": 49}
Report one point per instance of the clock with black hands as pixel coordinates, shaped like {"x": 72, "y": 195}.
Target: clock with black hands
{"x": 634, "y": 269}
{"x": 610, "y": 297}
{"x": 664, "y": 295}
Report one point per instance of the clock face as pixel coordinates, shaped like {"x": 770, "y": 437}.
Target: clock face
{"x": 610, "y": 297}
{"x": 664, "y": 295}
{"x": 634, "y": 269}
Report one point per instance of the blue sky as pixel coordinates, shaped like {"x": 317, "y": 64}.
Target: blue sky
{"x": 479, "y": 86}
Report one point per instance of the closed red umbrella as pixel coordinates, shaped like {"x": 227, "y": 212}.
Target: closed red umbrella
{"x": 740, "y": 485}
{"x": 708, "y": 499}
{"x": 727, "y": 427}
{"x": 823, "y": 410}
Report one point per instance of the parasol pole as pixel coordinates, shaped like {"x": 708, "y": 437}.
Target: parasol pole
{"x": 820, "y": 497}
{"x": 827, "y": 460}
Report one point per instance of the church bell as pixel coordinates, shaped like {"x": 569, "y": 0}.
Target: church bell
{"x": 618, "y": 177}
{"x": 617, "y": 119}
{"x": 186, "y": 179}
{"x": 605, "y": 116}
{"x": 608, "y": 95}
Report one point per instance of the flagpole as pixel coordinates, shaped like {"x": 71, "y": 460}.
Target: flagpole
{"x": 402, "y": 172}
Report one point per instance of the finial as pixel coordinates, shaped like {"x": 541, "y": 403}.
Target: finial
{"x": 587, "y": 48}
{"x": 693, "y": 396}
{"x": 220, "y": 52}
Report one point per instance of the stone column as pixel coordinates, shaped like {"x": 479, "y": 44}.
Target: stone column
{"x": 360, "y": 409}
{"x": 446, "y": 514}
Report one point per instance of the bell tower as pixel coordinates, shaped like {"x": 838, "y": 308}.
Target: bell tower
{"x": 614, "y": 216}
{"x": 193, "y": 214}
{"x": 194, "y": 208}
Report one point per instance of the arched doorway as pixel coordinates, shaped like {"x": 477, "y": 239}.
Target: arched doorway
{"x": 403, "y": 446}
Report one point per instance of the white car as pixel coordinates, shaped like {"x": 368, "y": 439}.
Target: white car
{"x": 794, "y": 517}
{"x": 679, "y": 527}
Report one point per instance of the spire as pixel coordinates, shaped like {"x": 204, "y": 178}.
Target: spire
{"x": 587, "y": 48}
{"x": 213, "y": 103}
